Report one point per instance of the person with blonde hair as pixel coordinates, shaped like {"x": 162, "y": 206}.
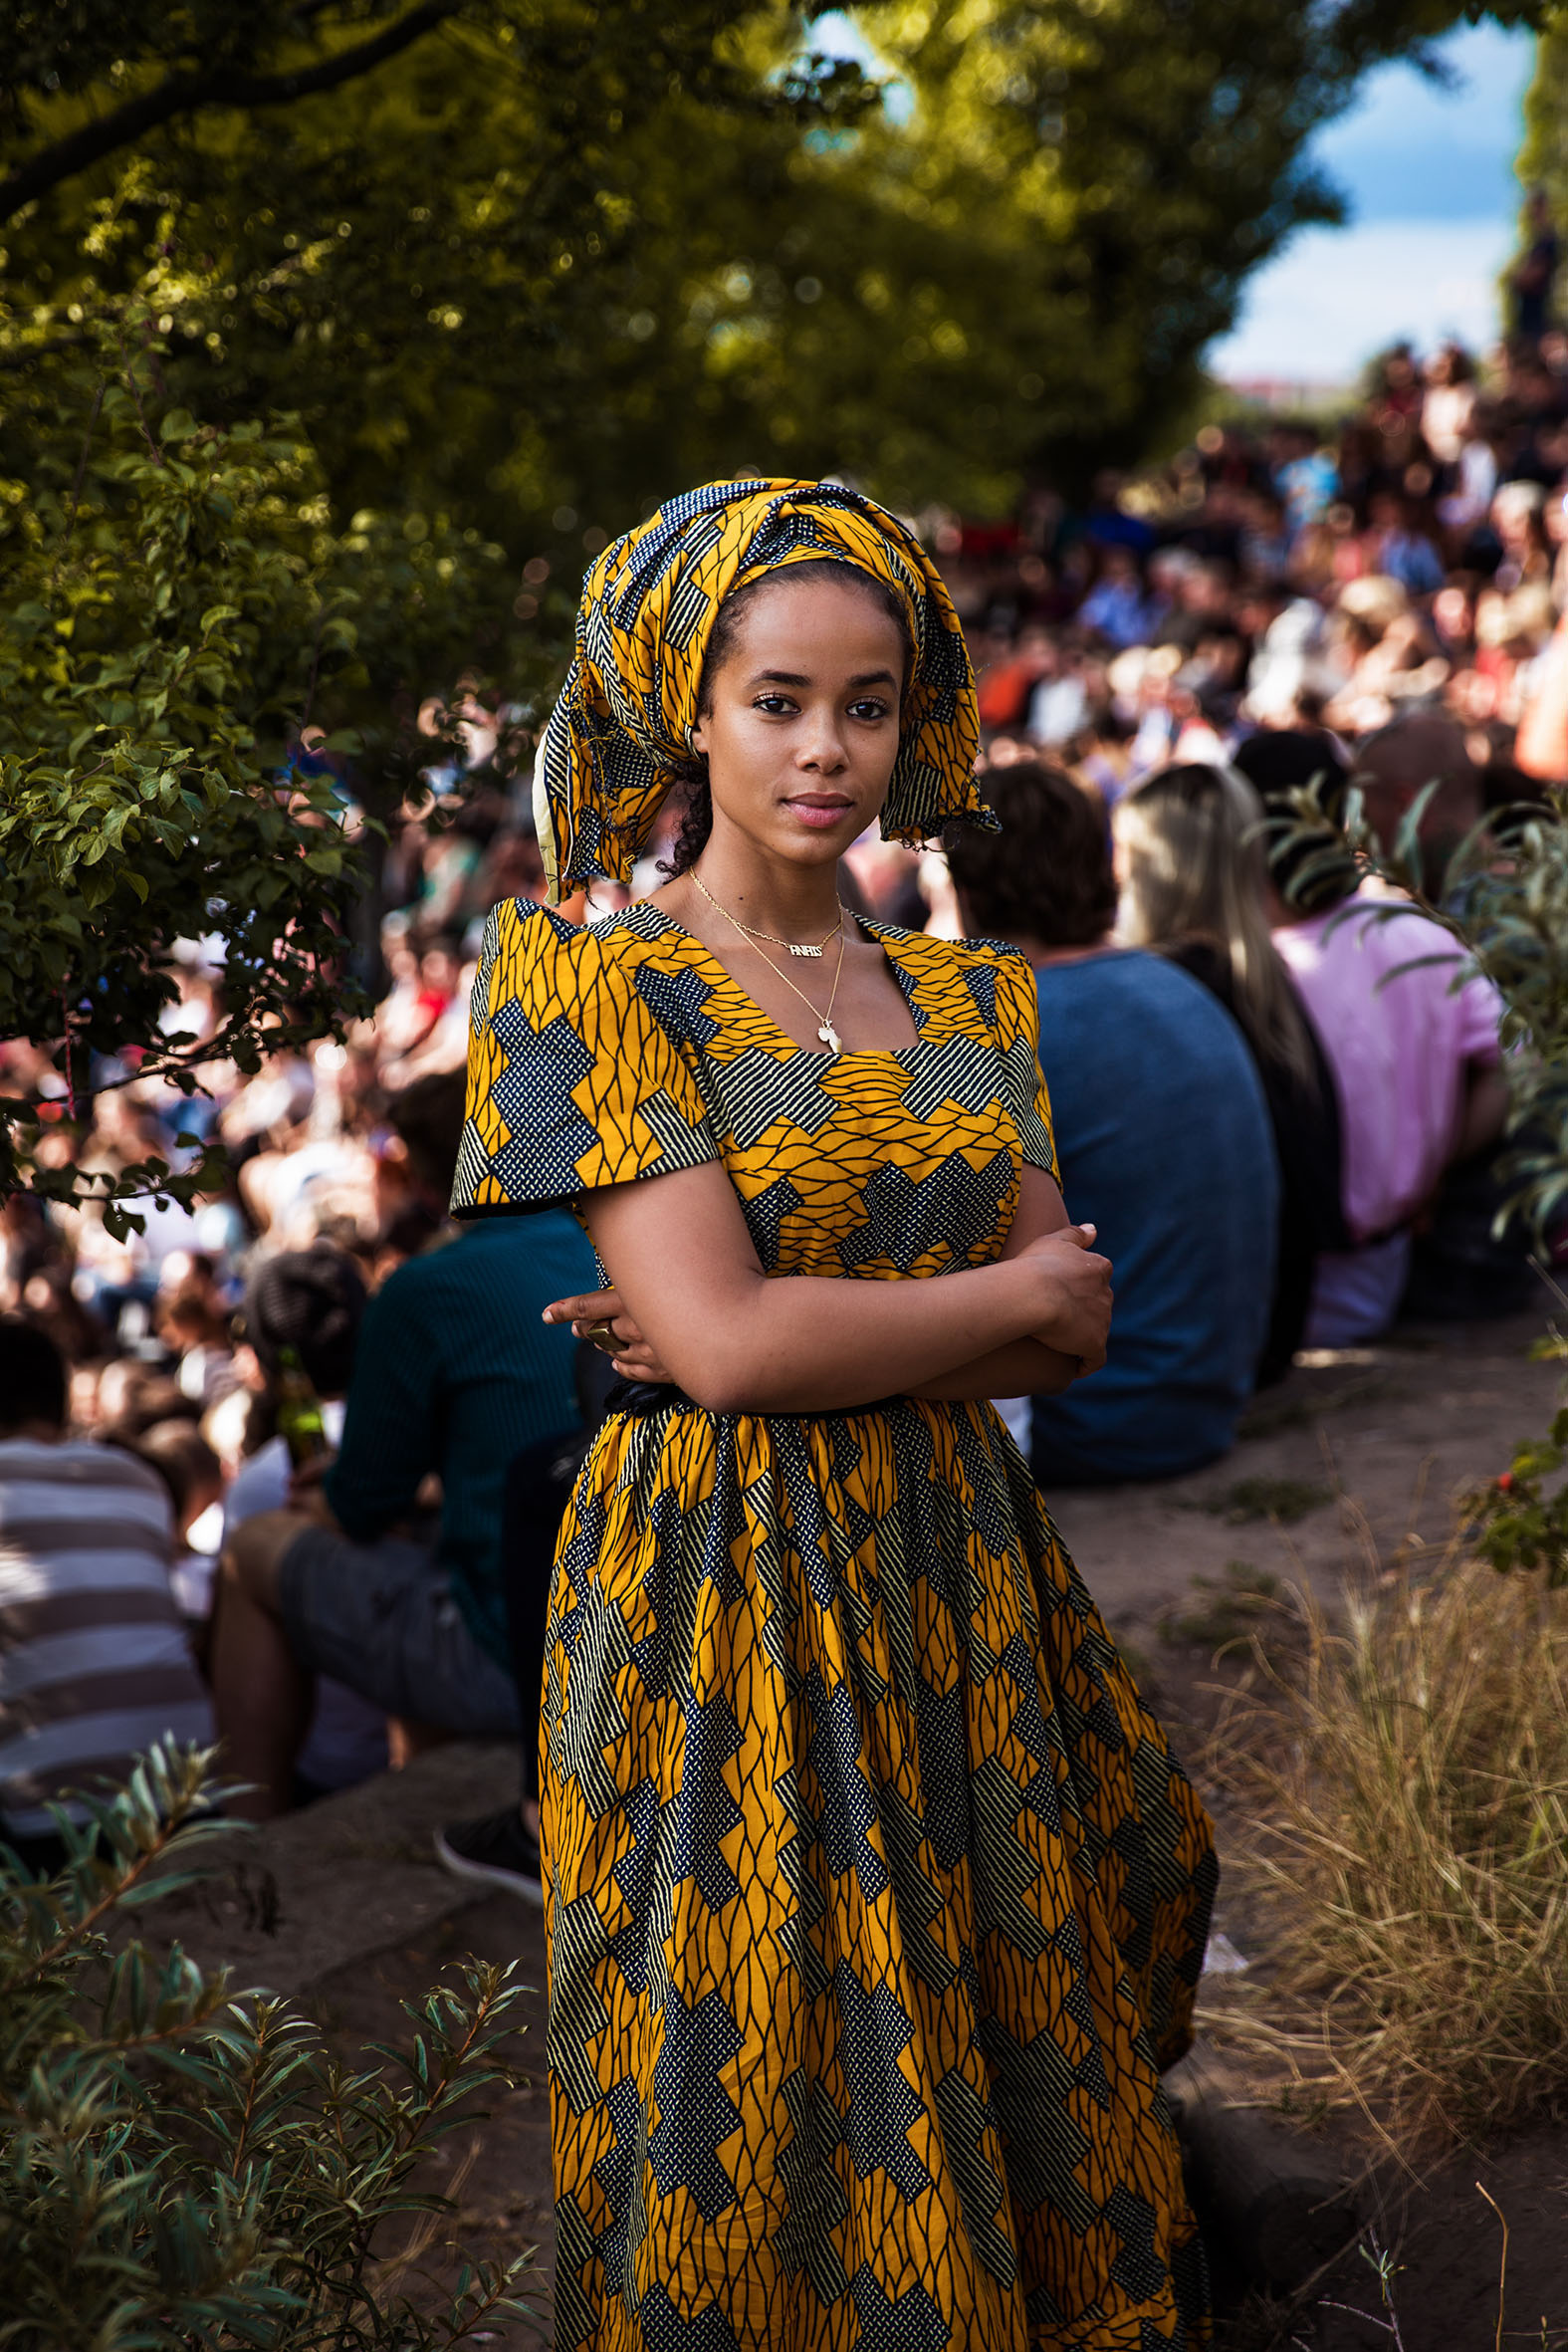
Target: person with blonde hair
{"x": 1193, "y": 866}
{"x": 1164, "y": 1138}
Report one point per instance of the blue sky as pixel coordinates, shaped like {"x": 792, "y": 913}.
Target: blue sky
{"x": 1428, "y": 172}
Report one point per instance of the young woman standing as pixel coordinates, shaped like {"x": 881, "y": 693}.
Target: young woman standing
{"x": 875, "y": 1901}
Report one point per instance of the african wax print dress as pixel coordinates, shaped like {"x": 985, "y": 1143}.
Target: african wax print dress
{"x": 875, "y": 1901}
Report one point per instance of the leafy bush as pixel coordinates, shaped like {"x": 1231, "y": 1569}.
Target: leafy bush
{"x": 1505, "y": 902}
{"x": 185, "y": 2167}
{"x": 176, "y": 604}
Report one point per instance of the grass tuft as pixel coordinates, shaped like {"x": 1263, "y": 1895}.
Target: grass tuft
{"x": 1408, "y": 1837}
{"x": 1221, "y": 1612}
{"x": 1284, "y": 1499}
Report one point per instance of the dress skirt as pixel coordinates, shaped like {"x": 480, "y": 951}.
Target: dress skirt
{"x": 875, "y": 1903}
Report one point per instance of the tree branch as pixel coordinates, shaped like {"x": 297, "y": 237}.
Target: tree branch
{"x": 186, "y": 93}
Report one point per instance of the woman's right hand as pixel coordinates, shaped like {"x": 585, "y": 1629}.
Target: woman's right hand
{"x": 1076, "y": 1284}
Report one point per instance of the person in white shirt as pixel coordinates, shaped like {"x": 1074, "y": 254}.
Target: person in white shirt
{"x": 94, "y": 1662}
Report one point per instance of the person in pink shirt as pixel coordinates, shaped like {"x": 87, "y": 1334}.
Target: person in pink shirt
{"x": 1413, "y": 1043}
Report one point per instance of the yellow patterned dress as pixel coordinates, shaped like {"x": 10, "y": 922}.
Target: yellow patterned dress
{"x": 875, "y": 1900}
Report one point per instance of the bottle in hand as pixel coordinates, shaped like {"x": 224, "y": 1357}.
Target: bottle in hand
{"x": 300, "y": 1421}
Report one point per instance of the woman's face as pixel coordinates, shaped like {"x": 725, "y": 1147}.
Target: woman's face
{"x": 802, "y": 732}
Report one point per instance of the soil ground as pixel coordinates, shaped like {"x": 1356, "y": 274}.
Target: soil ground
{"x": 1351, "y": 1458}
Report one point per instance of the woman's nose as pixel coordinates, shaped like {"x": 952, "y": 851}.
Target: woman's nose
{"x": 823, "y": 747}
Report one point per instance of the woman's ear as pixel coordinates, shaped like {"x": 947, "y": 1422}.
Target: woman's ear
{"x": 697, "y": 739}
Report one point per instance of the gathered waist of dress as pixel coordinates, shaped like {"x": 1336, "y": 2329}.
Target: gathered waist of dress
{"x": 641, "y": 1399}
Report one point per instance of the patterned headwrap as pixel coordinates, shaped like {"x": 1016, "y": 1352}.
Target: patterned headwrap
{"x": 617, "y": 739}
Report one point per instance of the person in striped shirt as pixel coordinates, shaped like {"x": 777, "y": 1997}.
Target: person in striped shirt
{"x": 94, "y": 1661}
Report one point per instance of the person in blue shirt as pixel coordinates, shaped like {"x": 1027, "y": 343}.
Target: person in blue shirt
{"x": 455, "y": 1373}
{"x": 1163, "y": 1138}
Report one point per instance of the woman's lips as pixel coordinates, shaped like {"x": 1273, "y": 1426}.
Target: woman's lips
{"x": 821, "y": 815}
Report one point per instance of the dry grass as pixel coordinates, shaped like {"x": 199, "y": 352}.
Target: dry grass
{"x": 1407, "y": 1839}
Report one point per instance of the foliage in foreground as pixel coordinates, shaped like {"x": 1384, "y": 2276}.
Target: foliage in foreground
{"x": 1504, "y": 902}
{"x": 185, "y": 2167}
{"x": 1406, "y": 1843}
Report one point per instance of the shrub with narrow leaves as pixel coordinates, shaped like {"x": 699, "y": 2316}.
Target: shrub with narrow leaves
{"x": 1505, "y": 902}
{"x": 185, "y": 2167}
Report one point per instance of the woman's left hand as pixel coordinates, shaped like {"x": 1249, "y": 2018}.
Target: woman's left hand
{"x": 631, "y": 1354}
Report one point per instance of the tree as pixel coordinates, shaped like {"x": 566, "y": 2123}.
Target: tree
{"x": 179, "y": 605}
{"x": 1015, "y": 272}
{"x": 1542, "y": 161}
{"x": 430, "y": 262}
{"x": 232, "y": 429}
{"x": 541, "y": 256}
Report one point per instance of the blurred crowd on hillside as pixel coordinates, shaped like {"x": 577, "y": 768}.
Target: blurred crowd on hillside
{"x": 1412, "y": 555}
{"x": 1272, "y": 577}
{"x": 1281, "y": 605}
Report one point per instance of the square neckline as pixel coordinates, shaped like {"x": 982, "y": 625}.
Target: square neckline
{"x": 905, "y": 982}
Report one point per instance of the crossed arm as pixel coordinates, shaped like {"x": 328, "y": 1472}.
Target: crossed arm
{"x": 691, "y": 1303}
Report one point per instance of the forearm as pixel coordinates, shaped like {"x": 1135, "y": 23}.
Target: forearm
{"x": 685, "y": 1277}
{"x": 821, "y": 1344}
{"x": 1026, "y": 1368}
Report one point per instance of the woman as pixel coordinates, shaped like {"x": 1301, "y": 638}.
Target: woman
{"x": 874, "y": 1901}
{"x": 1191, "y": 859}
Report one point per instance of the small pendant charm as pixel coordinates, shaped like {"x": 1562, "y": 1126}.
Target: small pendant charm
{"x": 829, "y": 1038}
{"x": 814, "y": 952}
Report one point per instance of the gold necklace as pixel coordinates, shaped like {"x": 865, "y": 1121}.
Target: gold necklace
{"x": 824, "y": 1021}
{"x": 794, "y": 945}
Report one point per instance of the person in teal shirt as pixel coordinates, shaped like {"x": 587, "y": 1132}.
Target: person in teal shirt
{"x": 456, "y": 1373}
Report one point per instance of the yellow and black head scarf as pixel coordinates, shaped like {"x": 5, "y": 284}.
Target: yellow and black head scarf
{"x": 617, "y": 740}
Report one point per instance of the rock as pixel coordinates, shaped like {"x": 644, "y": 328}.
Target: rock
{"x": 1279, "y": 2197}
{"x": 318, "y": 1890}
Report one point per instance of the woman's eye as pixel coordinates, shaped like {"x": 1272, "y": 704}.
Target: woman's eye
{"x": 776, "y": 705}
{"x": 868, "y": 706}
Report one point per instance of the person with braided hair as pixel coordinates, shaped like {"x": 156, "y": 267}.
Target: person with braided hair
{"x": 875, "y": 1901}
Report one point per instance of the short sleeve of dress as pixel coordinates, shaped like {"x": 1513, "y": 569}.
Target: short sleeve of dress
{"x": 572, "y": 1084}
{"x": 1018, "y": 1035}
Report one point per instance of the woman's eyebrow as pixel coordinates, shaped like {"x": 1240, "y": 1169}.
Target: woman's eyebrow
{"x": 796, "y": 678}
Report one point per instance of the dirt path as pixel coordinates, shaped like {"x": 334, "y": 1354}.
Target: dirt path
{"x": 1367, "y": 1443}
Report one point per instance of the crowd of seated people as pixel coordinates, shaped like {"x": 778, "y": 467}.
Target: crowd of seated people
{"x": 1261, "y": 1091}
{"x": 1282, "y": 1116}
{"x": 327, "y": 1254}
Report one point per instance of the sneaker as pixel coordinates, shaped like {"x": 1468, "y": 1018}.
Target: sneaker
{"x": 497, "y": 1851}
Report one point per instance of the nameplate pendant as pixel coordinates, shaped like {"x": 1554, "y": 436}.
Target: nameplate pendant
{"x": 814, "y": 952}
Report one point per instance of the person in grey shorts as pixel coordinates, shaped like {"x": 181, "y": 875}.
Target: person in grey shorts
{"x": 455, "y": 1374}
{"x": 382, "y": 1618}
